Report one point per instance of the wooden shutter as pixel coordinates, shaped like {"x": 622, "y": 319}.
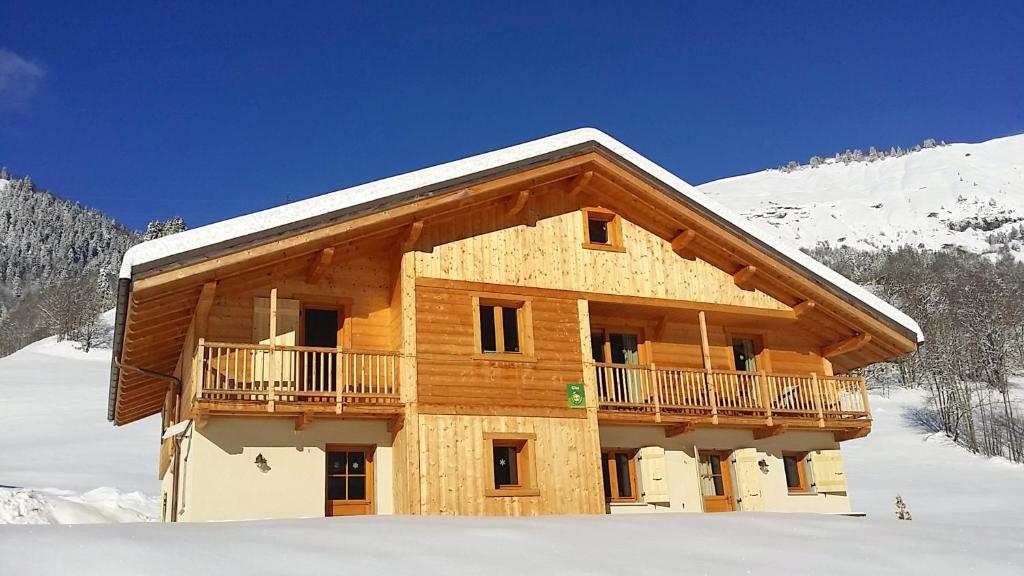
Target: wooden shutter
{"x": 287, "y": 335}
{"x": 827, "y": 472}
{"x": 748, "y": 475}
{"x": 654, "y": 484}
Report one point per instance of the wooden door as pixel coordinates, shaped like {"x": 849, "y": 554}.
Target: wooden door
{"x": 320, "y": 329}
{"x": 716, "y": 481}
{"x": 349, "y": 482}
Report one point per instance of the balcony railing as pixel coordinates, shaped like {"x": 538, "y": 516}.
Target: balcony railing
{"x": 325, "y": 378}
{"x": 640, "y": 388}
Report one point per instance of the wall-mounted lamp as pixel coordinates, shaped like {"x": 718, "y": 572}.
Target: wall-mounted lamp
{"x": 262, "y": 464}
{"x": 764, "y": 465}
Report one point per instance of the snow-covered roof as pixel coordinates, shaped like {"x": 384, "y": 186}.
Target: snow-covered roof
{"x": 313, "y": 210}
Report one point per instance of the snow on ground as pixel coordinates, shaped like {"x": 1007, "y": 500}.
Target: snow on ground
{"x": 939, "y": 480}
{"x": 629, "y": 544}
{"x": 60, "y": 460}
{"x": 951, "y": 195}
{"x": 58, "y": 448}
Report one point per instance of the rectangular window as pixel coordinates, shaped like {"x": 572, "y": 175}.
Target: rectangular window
{"x": 602, "y": 230}
{"x": 712, "y": 480}
{"x": 510, "y": 328}
{"x": 619, "y": 470}
{"x": 506, "y": 466}
{"x": 511, "y": 464}
{"x": 598, "y": 231}
{"x": 488, "y": 332}
{"x": 502, "y": 328}
{"x": 744, "y": 353}
{"x": 499, "y": 328}
{"x": 796, "y": 472}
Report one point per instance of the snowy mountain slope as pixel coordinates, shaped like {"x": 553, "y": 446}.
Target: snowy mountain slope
{"x": 956, "y": 195}
{"x": 938, "y": 479}
{"x": 60, "y": 460}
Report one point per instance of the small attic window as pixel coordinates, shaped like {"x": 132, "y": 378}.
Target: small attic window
{"x": 602, "y": 230}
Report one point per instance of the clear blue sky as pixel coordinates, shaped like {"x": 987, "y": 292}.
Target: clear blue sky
{"x": 210, "y": 112}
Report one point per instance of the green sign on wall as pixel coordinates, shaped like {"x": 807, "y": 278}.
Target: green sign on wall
{"x": 577, "y": 398}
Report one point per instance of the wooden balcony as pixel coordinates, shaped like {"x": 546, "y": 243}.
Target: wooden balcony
{"x": 682, "y": 398}
{"x": 305, "y": 381}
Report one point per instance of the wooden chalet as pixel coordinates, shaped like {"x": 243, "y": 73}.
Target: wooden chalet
{"x": 558, "y": 327}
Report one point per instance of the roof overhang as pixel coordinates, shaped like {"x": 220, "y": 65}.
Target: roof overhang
{"x": 230, "y": 236}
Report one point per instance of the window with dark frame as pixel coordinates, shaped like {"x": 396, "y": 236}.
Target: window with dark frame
{"x": 346, "y": 475}
{"x": 796, "y": 472}
{"x": 511, "y": 466}
{"x": 601, "y": 230}
{"x": 618, "y": 468}
{"x": 598, "y": 230}
{"x": 506, "y": 465}
{"x": 500, "y": 328}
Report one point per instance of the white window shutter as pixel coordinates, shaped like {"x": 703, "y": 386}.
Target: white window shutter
{"x": 828, "y": 474}
{"x": 748, "y": 476}
{"x": 654, "y": 484}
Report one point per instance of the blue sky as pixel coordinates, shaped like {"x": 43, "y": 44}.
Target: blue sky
{"x": 209, "y": 112}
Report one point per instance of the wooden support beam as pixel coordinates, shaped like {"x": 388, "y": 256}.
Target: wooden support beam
{"x": 415, "y": 230}
{"x": 673, "y": 431}
{"x": 803, "y": 308}
{"x": 203, "y": 306}
{"x": 843, "y": 435}
{"x": 705, "y": 348}
{"x": 768, "y": 431}
{"x": 851, "y": 344}
{"x": 683, "y": 239}
{"x": 744, "y": 277}
{"x": 302, "y": 421}
{"x": 580, "y": 182}
{"x": 321, "y": 262}
{"x": 200, "y": 419}
{"x": 518, "y": 202}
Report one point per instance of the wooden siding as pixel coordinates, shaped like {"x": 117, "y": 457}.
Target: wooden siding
{"x": 566, "y": 460}
{"x": 361, "y": 282}
{"x": 451, "y": 380}
{"x": 487, "y": 245}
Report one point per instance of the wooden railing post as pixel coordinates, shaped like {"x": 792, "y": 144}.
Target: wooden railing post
{"x": 272, "y": 360}
{"x": 864, "y": 395}
{"x": 339, "y": 381}
{"x": 762, "y": 387}
{"x": 816, "y": 391}
{"x": 705, "y": 352}
{"x": 200, "y": 368}
{"x": 709, "y": 383}
{"x": 652, "y": 374}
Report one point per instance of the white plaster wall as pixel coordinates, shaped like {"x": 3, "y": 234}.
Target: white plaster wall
{"x": 222, "y": 482}
{"x": 681, "y": 466}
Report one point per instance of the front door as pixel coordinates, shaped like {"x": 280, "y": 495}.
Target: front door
{"x": 716, "y": 482}
{"x": 349, "y": 480}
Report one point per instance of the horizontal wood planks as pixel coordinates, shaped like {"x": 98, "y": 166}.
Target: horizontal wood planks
{"x": 449, "y": 375}
{"x": 456, "y": 474}
{"x": 361, "y": 283}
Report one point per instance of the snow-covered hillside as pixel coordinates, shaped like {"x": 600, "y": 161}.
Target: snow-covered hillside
{"x": 60, "y": 460}
{"x": 957, "y": 195}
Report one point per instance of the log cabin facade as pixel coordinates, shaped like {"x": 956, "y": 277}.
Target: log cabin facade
{"x": 560, "y": 327}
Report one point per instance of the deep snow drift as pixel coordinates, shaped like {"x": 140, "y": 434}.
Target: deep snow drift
{"x": 951, "y": 195}
{"x": 60, "y": 460}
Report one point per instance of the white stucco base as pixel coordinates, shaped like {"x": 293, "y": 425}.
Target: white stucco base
{"x": 220, "y": 479}
{"x": 682, "y": 474}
